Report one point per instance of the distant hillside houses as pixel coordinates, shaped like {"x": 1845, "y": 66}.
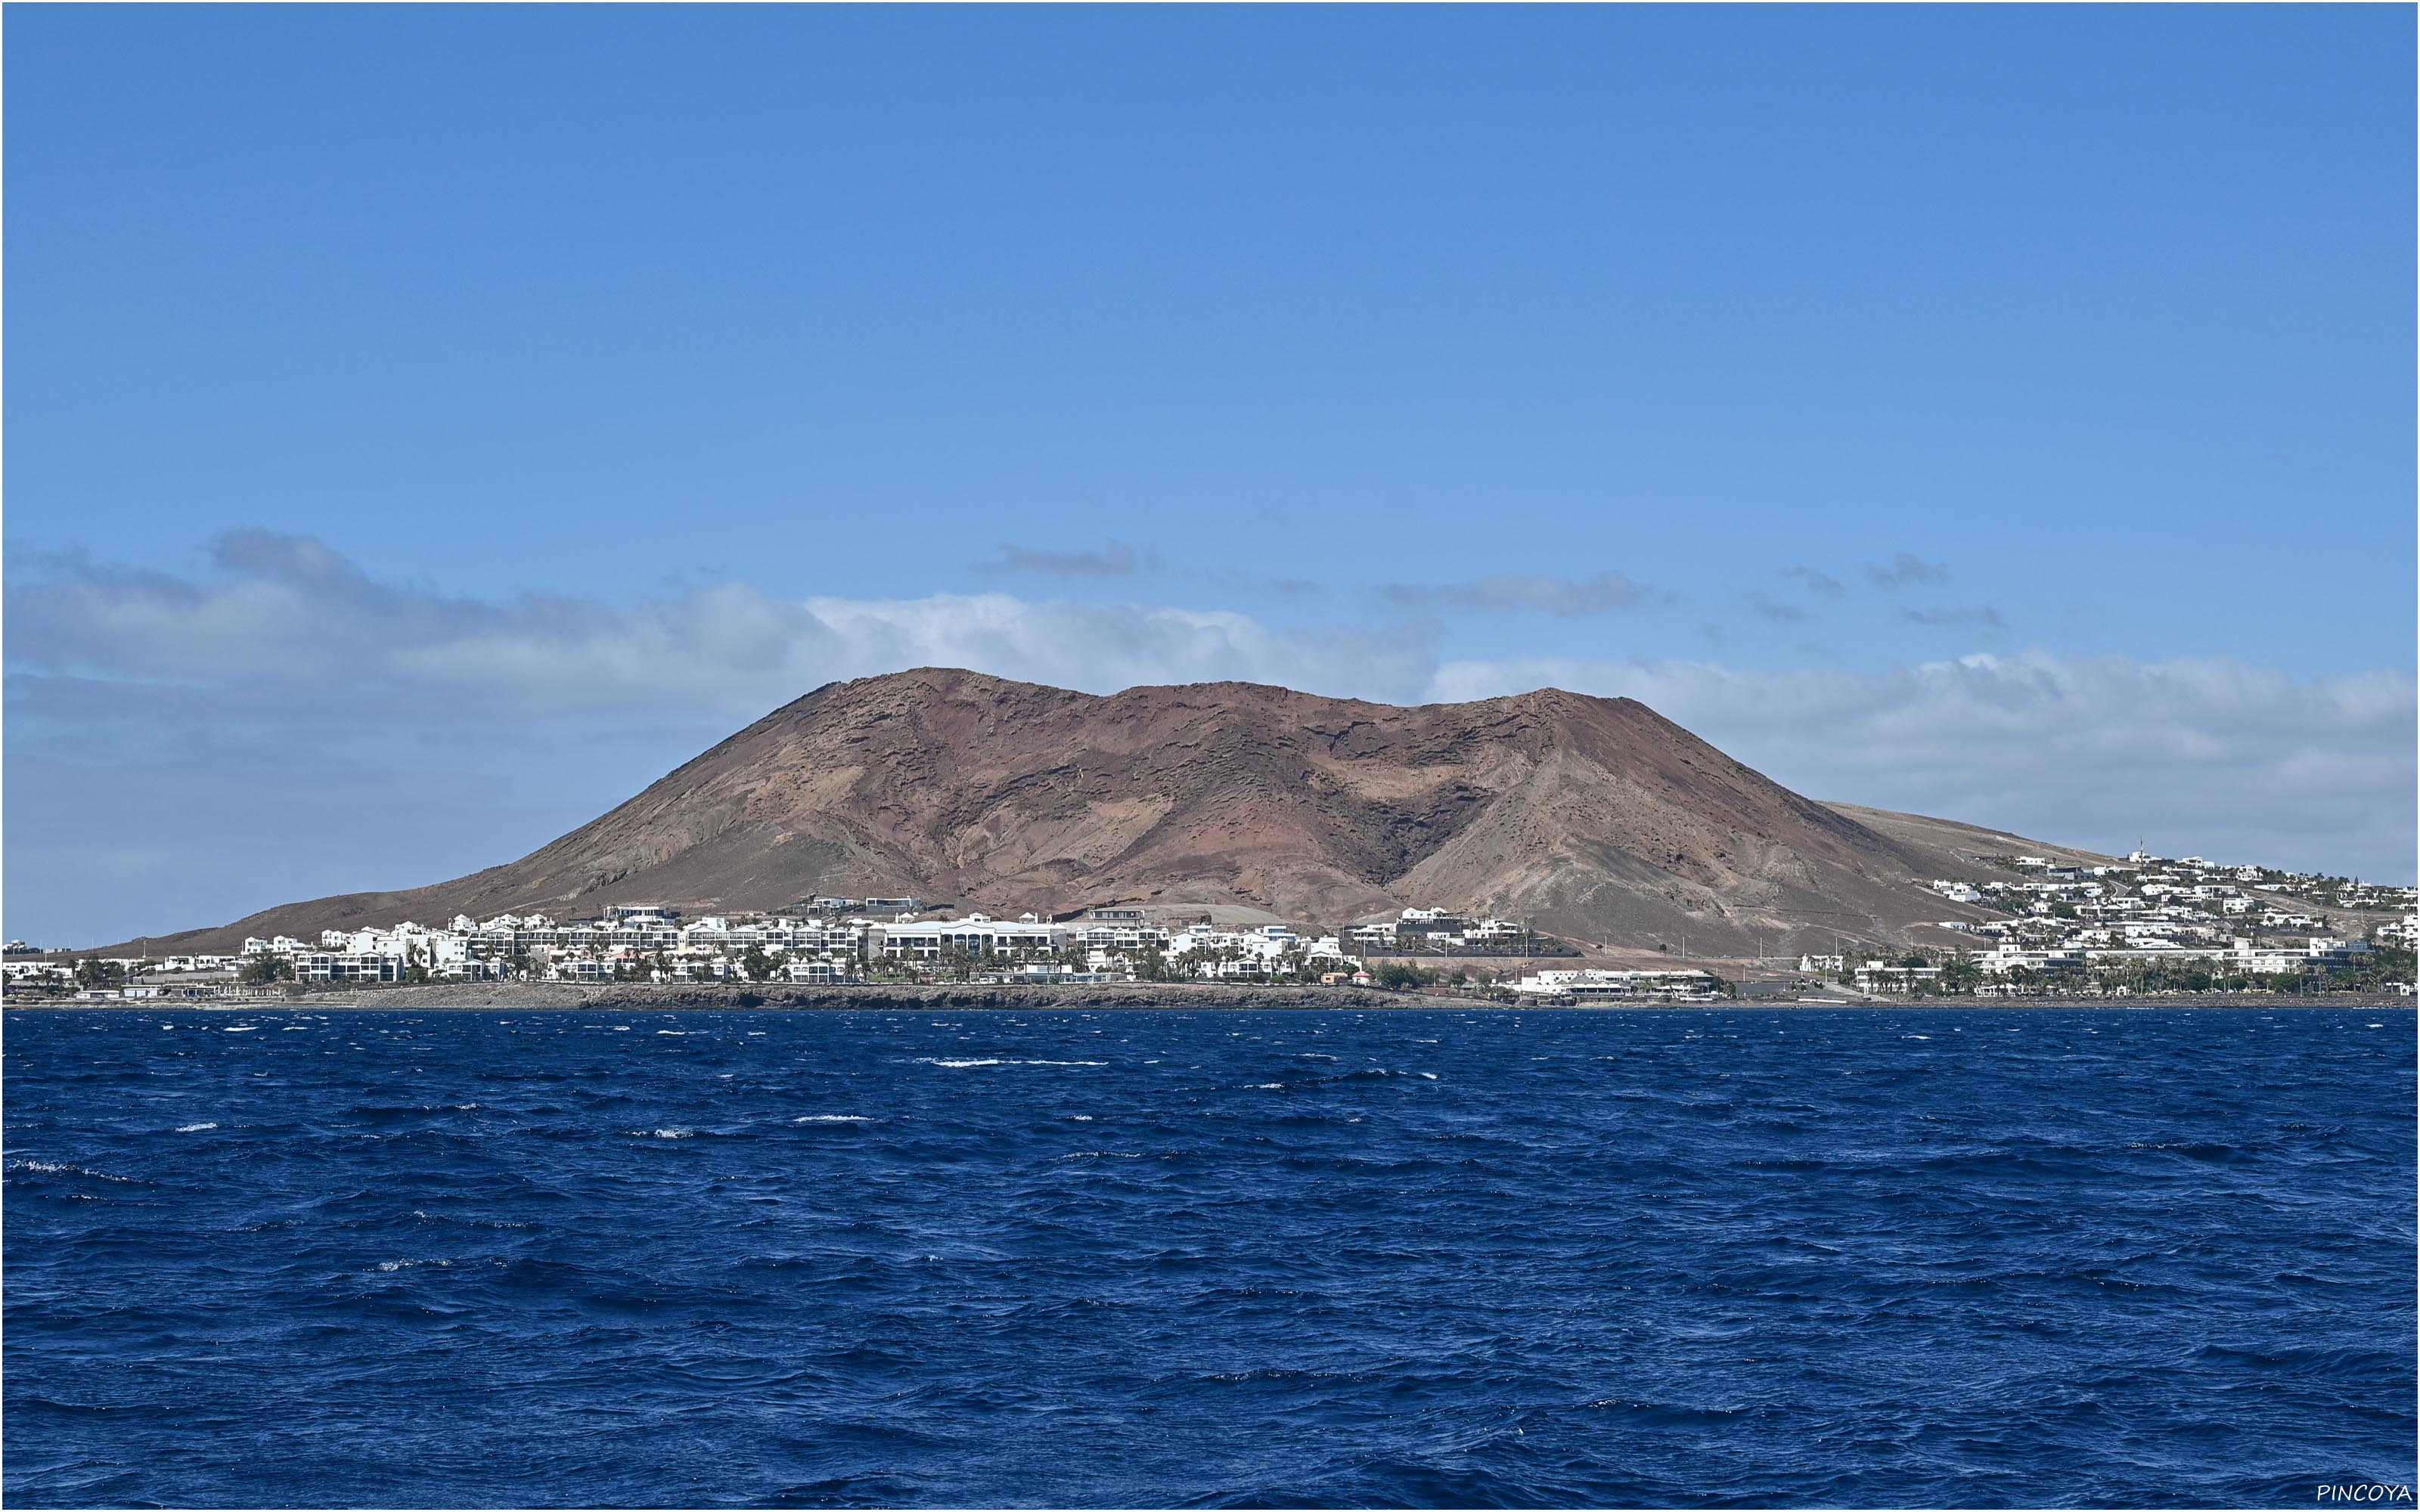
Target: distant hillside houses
{"x": 1441, "y": 931}
{"x": 654, "y": 943}
{"x": 2150, "y": 922}
{"x": 2088, "y": 952}
{"x": 2149, "y": 911}
{"x": 839, "y": 940}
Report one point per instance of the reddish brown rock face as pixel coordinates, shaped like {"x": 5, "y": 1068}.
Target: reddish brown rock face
{"x": 1594, "y": 818}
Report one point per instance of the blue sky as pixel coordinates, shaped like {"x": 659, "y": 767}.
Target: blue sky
{"x": 447, "y": 419}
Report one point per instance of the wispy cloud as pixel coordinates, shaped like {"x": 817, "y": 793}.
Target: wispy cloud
{"x": 1766, "y": 608}
{"x": 1965, "y": 617}
{"x": 1604, "y": 593}
{"x": 1114, "y": 559}
{"x": 1285, "y": 590}
{"x": 1906, "y": 570}
{"x": 298, "y": 559}
{"x": 1821, "y": 584}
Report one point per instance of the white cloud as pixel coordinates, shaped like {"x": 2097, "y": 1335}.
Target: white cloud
{"x": 286, "y": 612}
{"x": 285, "y": 681}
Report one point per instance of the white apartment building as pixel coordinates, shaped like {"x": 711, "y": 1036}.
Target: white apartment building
{"x": 975, "y": 934}
{"x": 2003, "y": 959}
{"x": 1888, "y": 979}
{"x": 1593, "y": 984}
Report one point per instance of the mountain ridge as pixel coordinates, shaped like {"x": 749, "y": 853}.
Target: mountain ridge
{"x": 1598, "y": 819}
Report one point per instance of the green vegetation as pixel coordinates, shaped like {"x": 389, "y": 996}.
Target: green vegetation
{"x": 91, "y": 973}
{"x": 2386, "y": 965}
{"x": 264, "y": 970}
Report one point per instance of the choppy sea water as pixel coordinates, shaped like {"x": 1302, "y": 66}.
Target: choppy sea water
{"x": 1141, "y": 1258}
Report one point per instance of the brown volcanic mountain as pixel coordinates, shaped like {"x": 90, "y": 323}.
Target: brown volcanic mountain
{"x": 1595, "y": 818}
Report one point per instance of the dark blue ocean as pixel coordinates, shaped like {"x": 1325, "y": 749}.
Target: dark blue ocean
{"x": 1144, "y": 1258}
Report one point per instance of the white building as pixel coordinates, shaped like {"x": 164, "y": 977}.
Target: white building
{"x": 2003, "y": 959}
{"x": 1591, "y": 984}
{"x": 975, "y": 934}
{"x": 1888, "y": 979}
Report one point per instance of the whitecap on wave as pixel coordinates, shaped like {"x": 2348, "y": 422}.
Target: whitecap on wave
{"x": 963, "y": 1064}
{"x": 54, "y": 1167}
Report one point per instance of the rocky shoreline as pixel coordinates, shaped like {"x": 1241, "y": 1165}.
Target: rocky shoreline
{"x": 640, "y": 997}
